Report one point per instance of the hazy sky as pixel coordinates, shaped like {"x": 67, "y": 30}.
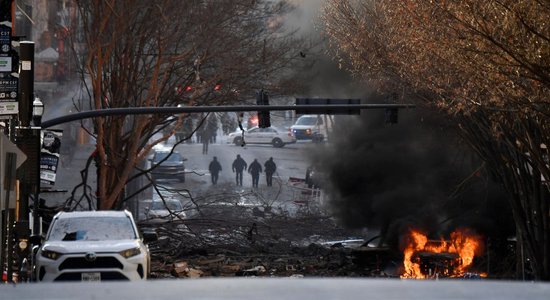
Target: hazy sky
{"x": 305, "y": 15}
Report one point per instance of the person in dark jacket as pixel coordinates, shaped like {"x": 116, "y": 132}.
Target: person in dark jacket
{"x": 270, "y": 168}
{"x": 238, "y": 166}
{"x": 214, "y": 169}
{"x": 255, "y": 169}
{"x": 205, "y": 139}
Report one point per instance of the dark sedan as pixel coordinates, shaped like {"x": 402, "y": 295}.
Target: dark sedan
{"x": 168, "y": 165}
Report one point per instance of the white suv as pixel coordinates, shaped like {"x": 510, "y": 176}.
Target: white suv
{"x": 309, "y": 127}
{"x": 93, "y": 246}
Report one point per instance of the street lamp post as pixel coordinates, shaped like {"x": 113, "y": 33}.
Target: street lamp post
{"x": 37, "y": 113}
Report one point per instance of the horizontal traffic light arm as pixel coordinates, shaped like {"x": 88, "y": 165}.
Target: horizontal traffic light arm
{"x": 199, "y": 109}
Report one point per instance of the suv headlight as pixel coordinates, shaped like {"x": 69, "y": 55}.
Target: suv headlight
{"x": 51, "y": 254}
{"x": 130, "y": 252}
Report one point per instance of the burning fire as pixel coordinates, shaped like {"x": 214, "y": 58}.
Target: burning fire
{"x": 425, "y": 258}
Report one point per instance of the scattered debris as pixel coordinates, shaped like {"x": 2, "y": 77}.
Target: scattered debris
{"x": 249, "y": 243}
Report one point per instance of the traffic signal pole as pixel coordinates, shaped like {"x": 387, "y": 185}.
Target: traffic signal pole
{"x": 199, "y": 109}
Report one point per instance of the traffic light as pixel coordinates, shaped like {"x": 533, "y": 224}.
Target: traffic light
{"x": 180, "y": 88}
{"x": 263, "y": 116}
{"x": 391, "y": 115}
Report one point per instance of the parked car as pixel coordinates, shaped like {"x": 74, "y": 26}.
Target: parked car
{"x": 167, "y": 210}
{"x": 309, "y": 127}
{"x": 271, "y": 135}
{"x": 168, "y": 165}
{"x": 93, "y": 246}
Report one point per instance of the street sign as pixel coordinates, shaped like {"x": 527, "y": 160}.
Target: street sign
{"x": 328, "y": 110}
{"x": 9, "y": 104}
{"x": 5, "y": 39}
{"x": 49, "y": 156}
{"x": 6, "y": 146}
{"x": 5, "y": 64}
{"x": 8, "y": 94}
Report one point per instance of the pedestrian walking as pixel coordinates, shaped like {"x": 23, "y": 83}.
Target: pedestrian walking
{"x": 214, "y": 169}
{"x": 270, "y": 167}
{"x": 238, "y": 166}
{"x": 205, "y": 139}
{"x": 212, "y": 128}
{"x": 255, "y": 169}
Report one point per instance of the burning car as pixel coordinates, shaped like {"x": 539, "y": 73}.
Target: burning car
{"x": 425, "y": 258}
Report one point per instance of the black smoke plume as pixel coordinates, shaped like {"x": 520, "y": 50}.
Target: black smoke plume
{"x": 417, "y": 173}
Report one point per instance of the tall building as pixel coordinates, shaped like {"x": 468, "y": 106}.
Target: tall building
{"x": 48, "y": 23}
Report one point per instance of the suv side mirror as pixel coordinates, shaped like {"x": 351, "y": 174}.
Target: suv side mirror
{"x": 35, "y": 239}
{"x": 149, "y": 235}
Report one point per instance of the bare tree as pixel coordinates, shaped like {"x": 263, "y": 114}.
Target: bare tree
{"x": 141, "y": 53}
{"x": 486, "y": 63}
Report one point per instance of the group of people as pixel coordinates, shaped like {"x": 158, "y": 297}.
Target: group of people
{"x": 239, "y": 166}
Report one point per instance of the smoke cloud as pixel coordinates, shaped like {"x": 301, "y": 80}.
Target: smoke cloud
{"x": 413, "y": 174}
{"x": 416, "y": 173}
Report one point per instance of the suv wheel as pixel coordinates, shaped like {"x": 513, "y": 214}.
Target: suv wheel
{"x": 318, "y": 138}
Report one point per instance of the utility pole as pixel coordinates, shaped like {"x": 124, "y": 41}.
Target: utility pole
{"x": 8, "y": 106}
{"x": 25, "y": 136}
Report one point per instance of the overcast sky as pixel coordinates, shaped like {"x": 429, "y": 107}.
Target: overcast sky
{"x": 305, "y": 15}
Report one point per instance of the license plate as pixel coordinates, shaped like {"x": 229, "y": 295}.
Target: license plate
{"x": 96, "y": 276}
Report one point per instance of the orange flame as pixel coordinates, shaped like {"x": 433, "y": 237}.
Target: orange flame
{"x": 457, "y": 253}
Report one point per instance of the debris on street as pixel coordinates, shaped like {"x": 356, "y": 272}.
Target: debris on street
{"x": 255, "y": 241}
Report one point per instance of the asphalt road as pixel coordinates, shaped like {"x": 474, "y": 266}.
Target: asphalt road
{"x": 281, "y": 288}
{"x": 291, "y": 160}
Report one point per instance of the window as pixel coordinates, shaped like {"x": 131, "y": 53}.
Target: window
{"x": 175, "y": 157}
{"x": 173, "y": 205}
{"x": 307, "y": 121}
{"x": 92, "y": 229}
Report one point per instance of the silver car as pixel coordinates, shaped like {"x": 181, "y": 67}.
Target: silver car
{"x": 255, "y": 135}
{"x": 164, "y": 211}
{"x": 93, "y": 246}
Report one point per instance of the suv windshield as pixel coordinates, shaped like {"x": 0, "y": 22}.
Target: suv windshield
{"x": 175, "y": 157}
{"x": 92, "y": 229}
{"x": 172, "y": 205}
{"x": 306, "y": 121}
